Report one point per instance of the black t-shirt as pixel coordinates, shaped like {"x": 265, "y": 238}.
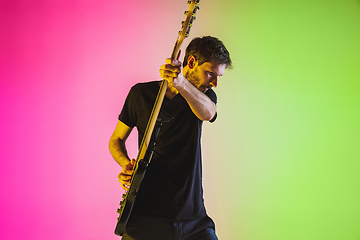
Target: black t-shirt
{"x": 172, "y": 186}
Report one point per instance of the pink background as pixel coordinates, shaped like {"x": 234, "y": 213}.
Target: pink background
{"x": 66, "y": 67}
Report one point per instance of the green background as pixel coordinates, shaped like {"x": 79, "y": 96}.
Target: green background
{"x": 286, "y": 142}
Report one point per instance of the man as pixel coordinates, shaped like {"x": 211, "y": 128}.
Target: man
{"x": 169, "y": 204}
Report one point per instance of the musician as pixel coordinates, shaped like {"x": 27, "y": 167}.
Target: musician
{"x": 169, "y": 204}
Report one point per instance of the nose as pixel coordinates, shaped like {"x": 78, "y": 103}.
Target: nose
{"x": 214, "y": 82}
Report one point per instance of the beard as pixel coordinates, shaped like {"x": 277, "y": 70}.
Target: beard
{"x": 193, "y": 78}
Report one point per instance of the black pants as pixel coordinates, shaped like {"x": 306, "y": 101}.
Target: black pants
{"x": 149, "y": 228}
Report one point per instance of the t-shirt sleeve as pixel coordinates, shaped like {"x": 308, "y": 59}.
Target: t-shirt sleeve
{"x": 128, "y": 113}
{"x": 212, "y": 95}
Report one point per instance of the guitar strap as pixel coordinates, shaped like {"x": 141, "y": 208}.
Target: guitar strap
{"x": 171, "y": 108}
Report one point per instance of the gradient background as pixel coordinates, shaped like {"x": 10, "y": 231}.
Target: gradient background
{"x": 281, "y": 162}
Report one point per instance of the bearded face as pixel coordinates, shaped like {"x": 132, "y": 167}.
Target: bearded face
{"x": 205, "y": 76}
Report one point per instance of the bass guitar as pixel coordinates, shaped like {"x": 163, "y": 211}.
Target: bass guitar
{"x": 154, "y": 124}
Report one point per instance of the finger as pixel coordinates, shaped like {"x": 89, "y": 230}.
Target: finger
{"x": 124, "y": 178}
{"x": 124, "y": 183}
{"x": 170, "y": 71}
{"x": 126, "y": 188}
{"x": 166, "y": 77}
{"x": 173, "y": 62}
{"x": 126, "y": 173}
{"x": 170, "y": 67}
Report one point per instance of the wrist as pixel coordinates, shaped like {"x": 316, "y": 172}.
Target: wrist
{"x": 179, "y": 83}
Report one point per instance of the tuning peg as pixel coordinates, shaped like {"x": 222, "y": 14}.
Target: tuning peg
{"x": 118, "y": 210}
{"x": 196, "y": 2}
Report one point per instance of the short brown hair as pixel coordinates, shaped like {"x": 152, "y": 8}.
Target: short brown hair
{"x": 207, "y": 49}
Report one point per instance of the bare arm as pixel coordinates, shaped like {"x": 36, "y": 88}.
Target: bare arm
{"x": 200, "y": 104}
{"x": 117, "y": 143}
{"x": 118, "y": 151}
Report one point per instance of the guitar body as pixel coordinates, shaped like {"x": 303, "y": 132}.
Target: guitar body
{"x": 129, "y": 199}
{"x": 147, "y": 145}
{"x": 126, "y": 205}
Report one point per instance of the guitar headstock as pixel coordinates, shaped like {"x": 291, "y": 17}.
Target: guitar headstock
{"x": 190, "y": 16}
{"x": 186, "y": 25}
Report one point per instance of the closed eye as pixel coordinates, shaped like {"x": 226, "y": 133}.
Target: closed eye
{"x": 211, "y": 73}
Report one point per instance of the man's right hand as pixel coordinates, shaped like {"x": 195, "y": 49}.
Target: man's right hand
{"x": 125, "y": 174}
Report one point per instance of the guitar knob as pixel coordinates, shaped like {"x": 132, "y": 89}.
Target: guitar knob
{"x": 118, "y": 210}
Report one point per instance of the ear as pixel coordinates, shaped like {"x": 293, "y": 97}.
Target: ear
{"x": 191, "y": 62}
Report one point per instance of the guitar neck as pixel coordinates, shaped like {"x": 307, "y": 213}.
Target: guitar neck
{"x": 152, "y": 120}
{"x": 184, "y": 32}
